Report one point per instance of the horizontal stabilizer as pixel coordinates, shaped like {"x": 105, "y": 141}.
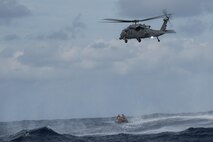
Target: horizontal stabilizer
{"x": 170, "y": 31}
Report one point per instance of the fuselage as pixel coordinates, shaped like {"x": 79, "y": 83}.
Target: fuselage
{"x": 139, "y": 31}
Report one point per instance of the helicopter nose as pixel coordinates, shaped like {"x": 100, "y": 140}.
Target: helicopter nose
{"x": 122, "y": 35}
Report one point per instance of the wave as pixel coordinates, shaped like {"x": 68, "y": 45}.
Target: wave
{"x": 166, "y": 122}
{"x": 47, "y": 134}
{"x": 145, "y": 124}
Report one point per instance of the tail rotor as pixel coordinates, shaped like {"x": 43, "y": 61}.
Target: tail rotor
{"x": 167, "y": 17}
{"x": 166, "y": 14}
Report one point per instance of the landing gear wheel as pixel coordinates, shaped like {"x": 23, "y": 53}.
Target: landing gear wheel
{"x": 158, "y": 39}
{"x": 139, "y": 40}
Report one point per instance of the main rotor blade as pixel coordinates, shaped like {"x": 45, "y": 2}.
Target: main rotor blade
{"x": 151, "y": 18}
{"x": 165, "y": 14}
{"x": 131, "y": 21}
{"x": 118, "y": 20}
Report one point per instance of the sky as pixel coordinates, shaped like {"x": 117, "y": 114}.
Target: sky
{"x": 58, "y": 61}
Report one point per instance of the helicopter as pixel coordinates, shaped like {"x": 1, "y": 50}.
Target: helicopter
{"x": 140, "y": 31}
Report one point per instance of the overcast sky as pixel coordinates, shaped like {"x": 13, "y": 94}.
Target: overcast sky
{"x": 58, "y": 61}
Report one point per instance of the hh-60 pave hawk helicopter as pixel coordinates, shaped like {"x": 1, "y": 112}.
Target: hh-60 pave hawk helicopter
{"x": 139, "y": 31}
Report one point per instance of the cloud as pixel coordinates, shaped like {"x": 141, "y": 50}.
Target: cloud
{"x": 193, "y": 27}
{"x": 11, "y": 37}
{"x": 11, "y": 9}
{"x": 14, "y": 68}
{"x": 183, "y": 55}
{"x": 68, "y": 32}
{"x": 154, "y": 76}
{"x": 146, "y": 8}
{"x": 77, "y": 27}
{"x": 56, "y": 35}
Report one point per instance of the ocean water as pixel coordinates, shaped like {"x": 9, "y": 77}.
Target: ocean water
{"x": 153, "y": 127}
